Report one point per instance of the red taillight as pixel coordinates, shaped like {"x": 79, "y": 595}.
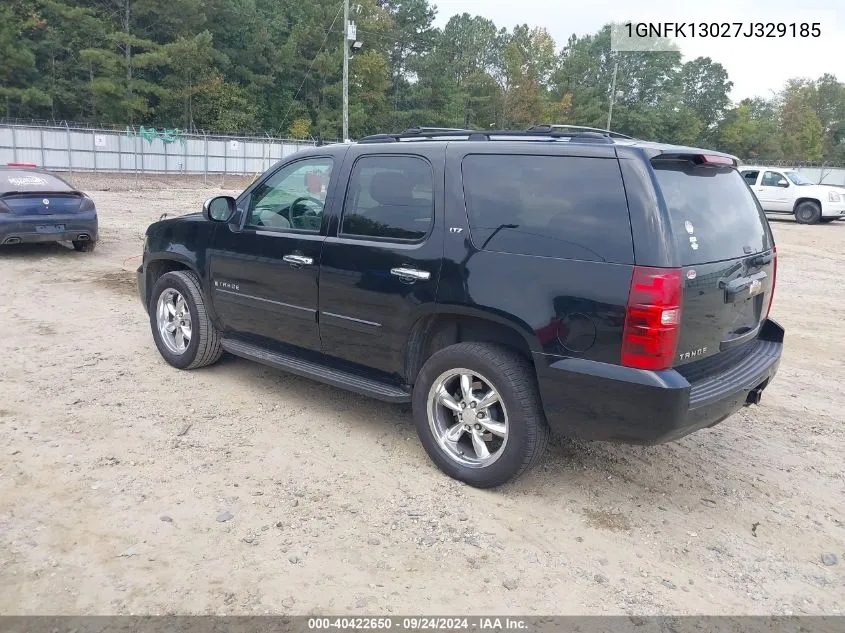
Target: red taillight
{"x": 652, "y": 319}
{"x": 711, "y": 159}
{"x": 87, "y": 205}
{"x": 21, "y": 165}
{"x": 774, "y": 279}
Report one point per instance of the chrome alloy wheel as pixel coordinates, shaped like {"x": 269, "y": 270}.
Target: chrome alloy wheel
{"x": 174, "y": 320}
{"x": 467, "y": 418}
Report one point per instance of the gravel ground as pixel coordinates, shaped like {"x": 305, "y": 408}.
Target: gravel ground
{"x": 127, "y": 486}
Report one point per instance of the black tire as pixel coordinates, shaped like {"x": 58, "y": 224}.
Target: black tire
{"x": 84, "y": 247}
{"x": 513, "y": 377}
{"x": 808, "y": 213}
{"x": 204, "y": 347}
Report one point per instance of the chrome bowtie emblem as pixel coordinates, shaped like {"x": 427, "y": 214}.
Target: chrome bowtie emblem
{"x": 755, "y": 288}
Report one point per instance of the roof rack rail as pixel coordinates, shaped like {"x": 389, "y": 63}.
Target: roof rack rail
{"x": 426, "y": 130}
{"x": 380, "y": 138}
{"x": 424, "y": 133}
{"x": 582, "y": 128}
{"x": 547, "y": 132}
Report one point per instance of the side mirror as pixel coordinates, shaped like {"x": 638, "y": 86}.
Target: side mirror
{"x": 783, "y": 183}
{"x": 219, "y": 209}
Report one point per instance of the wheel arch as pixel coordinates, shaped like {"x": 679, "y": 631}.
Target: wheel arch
{"x": 159, "y": 265}
{"x": 806, "y": 199}
{"x": 437, "y": 330}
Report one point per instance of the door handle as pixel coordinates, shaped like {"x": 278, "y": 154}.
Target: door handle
{"x": 410, "y": 274}
{"x": 298, "y": 260}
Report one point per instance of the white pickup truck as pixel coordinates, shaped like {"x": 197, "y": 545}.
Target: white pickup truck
{"x": 785, "y": 191}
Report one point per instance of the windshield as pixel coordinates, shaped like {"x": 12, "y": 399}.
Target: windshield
{"x": 797, "y": 178}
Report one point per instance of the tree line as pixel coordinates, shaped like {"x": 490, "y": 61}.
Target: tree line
{"x": 275, "y": 66}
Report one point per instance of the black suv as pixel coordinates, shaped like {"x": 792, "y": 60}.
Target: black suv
{"x": 502, "y": 282}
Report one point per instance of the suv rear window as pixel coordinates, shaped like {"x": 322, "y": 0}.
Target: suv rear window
{"x": 553, "y": 206}
{"x": 714, "y": 215}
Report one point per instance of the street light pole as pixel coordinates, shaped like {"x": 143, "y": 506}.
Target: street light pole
{"x": 612, "y": 93}
{"x": 345, "y": 70}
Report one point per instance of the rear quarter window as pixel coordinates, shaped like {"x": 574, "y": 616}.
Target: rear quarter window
{"x": 551, "y": 206}
{"x": 714, "y": 215}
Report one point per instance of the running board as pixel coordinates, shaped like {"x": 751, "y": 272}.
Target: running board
{"x": 316, "y": 371}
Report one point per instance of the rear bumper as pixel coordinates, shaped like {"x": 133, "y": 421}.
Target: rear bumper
{"x": 600, "y": 401}
{"x": 24, "y": 230}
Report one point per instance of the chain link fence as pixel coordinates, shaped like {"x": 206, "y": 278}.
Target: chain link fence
{"x": 68, "y": 147}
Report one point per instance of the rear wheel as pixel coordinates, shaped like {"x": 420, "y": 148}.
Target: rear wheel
{"x": 84, "y": 247}
{"x": 478, "y": 414}
{"x": 182, "y": 329}
{"x": 808, "y": 213}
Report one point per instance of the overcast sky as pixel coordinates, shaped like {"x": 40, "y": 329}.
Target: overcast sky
{"x": 756, "y": 66}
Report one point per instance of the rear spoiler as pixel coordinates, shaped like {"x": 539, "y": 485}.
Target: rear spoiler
{"x": 31, "y": 192}
{"x": 698, "y": 156}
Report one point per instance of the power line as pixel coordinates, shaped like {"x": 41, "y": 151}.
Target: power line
{"x": 304, "y": 79}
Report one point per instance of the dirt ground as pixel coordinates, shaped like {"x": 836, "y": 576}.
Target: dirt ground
{"x": 117, "y": 471}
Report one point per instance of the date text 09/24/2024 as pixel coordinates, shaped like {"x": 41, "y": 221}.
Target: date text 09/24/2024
{"x": 421, "y": 623}
{"x": 723, "y": 29}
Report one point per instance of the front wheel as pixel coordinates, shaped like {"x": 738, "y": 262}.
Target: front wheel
{"x": 808, "y": 213}
{"x": 477, "y": 412}
{"x": 182, "y": 329}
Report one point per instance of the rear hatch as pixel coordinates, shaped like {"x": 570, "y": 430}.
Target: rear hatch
{"x": 728, "y": 258}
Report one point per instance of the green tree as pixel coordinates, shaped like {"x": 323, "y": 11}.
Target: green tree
{"x": 19, "y": 72}
{"x": 750, "y": 131}
{"x": 261, "y": 65}
{"x": 368, "y": 90}
{"x": 529, "y": 60}
{"x": 190, "y": 66}
{"x": 829, "y": 106}
{"x": 407, "y": 40}
{"x": 647, "y": 85}
{"x": 224, "y": 106}
{"x": 800, "y": 128}
{"x": 705, "y": 90}
{"x": 466, "y": 61}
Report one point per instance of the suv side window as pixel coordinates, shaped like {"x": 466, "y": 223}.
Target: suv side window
{"x": 389, "y": 197}
{"x": 751, "y": 176}
{"x": 773, "y": 179}
{"x": 553, "y": 206}
{"x": 291, "y": 198}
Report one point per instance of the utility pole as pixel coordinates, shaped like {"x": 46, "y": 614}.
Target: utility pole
{"x": 345, "y": 70}
{"x": 612, "y": 93}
